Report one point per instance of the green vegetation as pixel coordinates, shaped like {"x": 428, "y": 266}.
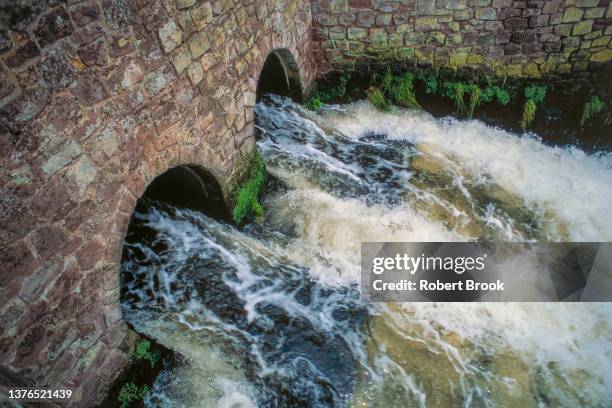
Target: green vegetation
{"x": 430, "y": 82}
{"x": 314, "y": 103}
{"x": 502, "y": 95}
{"x": 130, "y": 393}
{"x": 474, "y": 99}
{"x": 317, "y": 100}
{"x": 143, "y": 352}
{"x": 591, "y": 108}
{"x": 534, "y": 96}
{"x": 247, "y": 196}
{"x": 377, "y": 98}
{"x": 402, "y": 91}
{"x": 467, "y": 96}
{"x": 394, "y": 88}
{"x": 529, "y": 111}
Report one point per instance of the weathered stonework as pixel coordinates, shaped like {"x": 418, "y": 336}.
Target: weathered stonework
{"x": 97, "y": 98}
{"x": 503, "y": 38}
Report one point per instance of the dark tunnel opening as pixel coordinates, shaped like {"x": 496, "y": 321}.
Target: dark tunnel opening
{"x": 187, "y": 187}
{"x": 279, "y": 76}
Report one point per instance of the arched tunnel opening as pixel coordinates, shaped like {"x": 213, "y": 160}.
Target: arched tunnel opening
{"x": 186, "y": 187}
{"x": 280, "y": 76}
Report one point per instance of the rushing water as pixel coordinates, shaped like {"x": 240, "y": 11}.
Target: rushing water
{"x": 271, "y": 316}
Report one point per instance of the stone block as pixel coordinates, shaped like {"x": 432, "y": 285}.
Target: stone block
{"x": 383, "y": 20}
{"x": 551, "y": 6}
{"x": 85, "y": 13}
{"x": 116, "y": 13}
{"x": 601, "y": 42}
{"x": 538, "y": 21}
{"x": 563, "y": 29}
{"x": 378, "y": 38}
{"x": 425, "y": 24}
{"x": 516, "y": 23}
{"x": 202, "y": 15}
{"x": 583, "y": 27}
{"x": 597, "y": 12}
{"x": 463, "y": 15}
{"x": 356, "y": 33}
{"x": 426, "y": 7}
{"x": 365, "y": 20}
{"x": 195, "y": 73}
{"x": 338, "y": 6}
{"x": 198, "y": 44}
{"x": 456, "y": 4}
{"x": 587, "y": 3}
{"x": 572, "y": 15}
{"x": 337, "y": 33}
{"x": 604, "y": 55}
{"x": 454, "y": 39}
{"x": 326, "y": 20}
{"x": 183, "y": 4}
{"x": 170, "y": 36}
{"x": 486, "y": 13}
{"x": 53, "y": 26}
{"x": 22, "y": 54}
{"x": 181, "y": 59}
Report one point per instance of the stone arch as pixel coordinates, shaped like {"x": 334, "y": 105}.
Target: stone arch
{"x": 188, "y": 186}
{"x": 281, "y": 63}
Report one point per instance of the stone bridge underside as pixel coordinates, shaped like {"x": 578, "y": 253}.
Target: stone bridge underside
{"x": 97, "y": 98}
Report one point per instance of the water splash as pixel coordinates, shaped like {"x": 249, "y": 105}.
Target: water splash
{"x": 271, "y": 316}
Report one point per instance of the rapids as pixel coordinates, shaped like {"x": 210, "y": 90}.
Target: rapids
{"x": 271, "y": 316}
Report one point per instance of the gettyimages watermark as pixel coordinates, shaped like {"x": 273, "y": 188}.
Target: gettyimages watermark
{"x": 482, "y": 272}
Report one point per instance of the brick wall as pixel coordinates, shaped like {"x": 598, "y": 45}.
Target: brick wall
{"x": 97, "y": 98}
{"x": 494, "y": 37}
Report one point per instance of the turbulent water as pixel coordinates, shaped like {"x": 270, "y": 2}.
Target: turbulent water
{"x": 271, "y": 316}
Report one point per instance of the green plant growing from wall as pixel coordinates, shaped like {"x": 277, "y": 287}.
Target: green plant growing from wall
{"x": 475, "y": 99}
{"x": 247, "y": 196}
{"x": 377, "y": 98}
{"x": 490, "y": 93}
{"x": 315, "y": 102}
{"x": 431, "y": 84}
{"x": 398, "y": 89}
{"x": 455, "y": 91}
{"x": 534, "y": 96}
{"x": 402, "y": 91}
{"x": 591, "y": 108}
{"x": 130, "y": 393}
{"x": 143, "y": 352}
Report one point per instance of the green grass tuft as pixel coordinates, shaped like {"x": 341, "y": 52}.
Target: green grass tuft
{"x": 534, "y": 96}
{"x": 314, "y": 104}
{"x": 431, "y": 84}
{"x": 474, "y": 99}
{"x": 529, "y": 110}
{"x": 457, "y": 97}
{"x": 502, "y": 95}
{"x": 377, "y": 98}
{"x": 536, "y": 93}
{"x": 591, "y": 108}
{"x": 323, "y": 97}
{"x": 247, "y": 197}
{"x": 142, "y": 352}
{"x": 402, "y": 91}
{"x": 130, "y": 393}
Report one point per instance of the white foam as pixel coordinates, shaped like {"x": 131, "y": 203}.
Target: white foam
{"x": 577, "y": 185}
